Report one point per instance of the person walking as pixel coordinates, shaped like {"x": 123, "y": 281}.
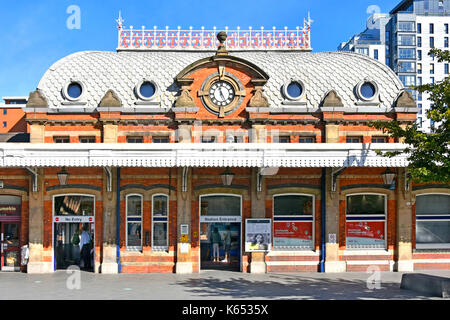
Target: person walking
{"x": 85, "y": 248}
{"x": 227, "y": 245}
{"x": 76, "y": 247}
{"x": 215, "y": 239}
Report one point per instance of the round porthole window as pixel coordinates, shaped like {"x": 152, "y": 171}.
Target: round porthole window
{"x": 146, "y": 90}
{"x": 367, "y": 90}
{"x": 293, "y": 90}
{"x": 73, "y": 91}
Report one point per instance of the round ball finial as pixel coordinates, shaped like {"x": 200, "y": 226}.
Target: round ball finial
{"x": 222, "y": 36}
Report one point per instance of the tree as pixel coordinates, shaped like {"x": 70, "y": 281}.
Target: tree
{"x": 428, "y": 153}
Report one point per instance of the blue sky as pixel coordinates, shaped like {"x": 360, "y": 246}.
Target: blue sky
{"x": 35, "y": 34}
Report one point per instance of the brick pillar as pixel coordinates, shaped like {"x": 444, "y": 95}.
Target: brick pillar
{"x": 404, "y": 225}
{"x": 258, "y": 210}
{"x": 332, "y": 263}
{"x": 36, "y": 262}
{"x": 109, "y": 255}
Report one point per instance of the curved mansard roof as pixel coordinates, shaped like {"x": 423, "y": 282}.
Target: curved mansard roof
{"x": 122, "y": 71}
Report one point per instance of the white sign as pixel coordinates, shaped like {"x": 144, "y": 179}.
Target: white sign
{"x": 218, "y": 219}
{"x": 332, "y": 238}
{"x": 74, "y": 219}
{"x": 184, "y": 229}
{"x": 258, "y": 235}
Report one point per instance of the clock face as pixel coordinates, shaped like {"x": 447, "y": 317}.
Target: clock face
{"x": 221, "y": 93}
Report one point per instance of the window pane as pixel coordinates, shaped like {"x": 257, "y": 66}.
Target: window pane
{"x": 365, "y": 204}
{"x": 134, "y": 206}
{"x": 220, "y": 206}
{"x": 160, "y": 206}
{"x": 293, "y": 205}
{"x": 160, "y": 139}
{"x": 147, "y": 89}
{"x": 433, "y": 204}
{"x": 74, "y": 206}
{"x": 134, "y": 238}
{"x": 11, "y": 234}
{"x": 432, "y": 232}
{"x": 160, "y": 234}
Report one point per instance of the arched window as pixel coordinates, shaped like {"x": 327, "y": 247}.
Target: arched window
{"x": 433, "y": 221}
{"x": 160, "y": 224}
{"x": 293, "y": 227}
{"x": 366, "y": 221}
{"x": 134, "y": 222}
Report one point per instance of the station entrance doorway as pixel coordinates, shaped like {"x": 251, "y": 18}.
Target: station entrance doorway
{"x": 73, "y": 232}
{"x": 220, "y": 232}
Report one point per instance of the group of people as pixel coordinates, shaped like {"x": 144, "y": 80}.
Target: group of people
{"x": 216, "y": 239}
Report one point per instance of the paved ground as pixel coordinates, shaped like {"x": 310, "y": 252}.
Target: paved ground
{"x": 208, "y": 285}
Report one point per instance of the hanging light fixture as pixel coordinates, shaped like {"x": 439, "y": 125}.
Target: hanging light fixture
{"x": 63, "y": 176}
{"x": 227, "y": 177}
{"x": 388, "y": 176}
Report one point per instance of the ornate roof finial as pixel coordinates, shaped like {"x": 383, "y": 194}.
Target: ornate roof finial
{"x": 120, "y": 21}
{"x": 222, "y": 37}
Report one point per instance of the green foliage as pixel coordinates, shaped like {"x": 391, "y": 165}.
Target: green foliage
{"x": 428, "y": 153}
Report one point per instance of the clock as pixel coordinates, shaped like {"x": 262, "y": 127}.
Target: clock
{"x": 222, "y": 94}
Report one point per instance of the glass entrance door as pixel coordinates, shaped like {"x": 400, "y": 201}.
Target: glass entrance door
{"x": 10, "y": 246}
{"x": 220, "y": 250}
{"x": 72, "y": 247}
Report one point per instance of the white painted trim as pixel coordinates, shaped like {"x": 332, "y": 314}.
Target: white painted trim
{"x": 310, "y": 155}
{"x": 292, "y": 263}
{"x": 431, "y": 260}
{"x": 367, "y": 262}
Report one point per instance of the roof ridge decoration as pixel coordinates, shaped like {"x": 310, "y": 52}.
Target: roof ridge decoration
{"x": 405, "y": 100}
{"x": 37, "y": 100}
{"x": 332, "y": 100}
{"x": 206, "y": 40}
{"x": 110, "y": 100}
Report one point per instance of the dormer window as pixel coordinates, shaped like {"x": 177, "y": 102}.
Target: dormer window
{"x": 73, "y": 91}
{"x": 146, "y": 90}
{"x": 367, "y": 91}
{"x": 294, "y": 90}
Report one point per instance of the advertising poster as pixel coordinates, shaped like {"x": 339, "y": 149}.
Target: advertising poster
{"x": 258, "y": 235}
{"x": 293, "y": 234}
{"x": 365, "y": 234}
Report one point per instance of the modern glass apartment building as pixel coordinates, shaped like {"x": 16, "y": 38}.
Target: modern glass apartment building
{"x": 402, "y": 40}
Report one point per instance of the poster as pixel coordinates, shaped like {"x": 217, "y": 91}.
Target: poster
{"x": 258, "y": 235}
{"x": 365, "y": 234}
{"x": 293, "y": 234}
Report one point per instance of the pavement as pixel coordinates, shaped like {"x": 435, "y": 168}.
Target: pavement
{"x": 208, "y": 285}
